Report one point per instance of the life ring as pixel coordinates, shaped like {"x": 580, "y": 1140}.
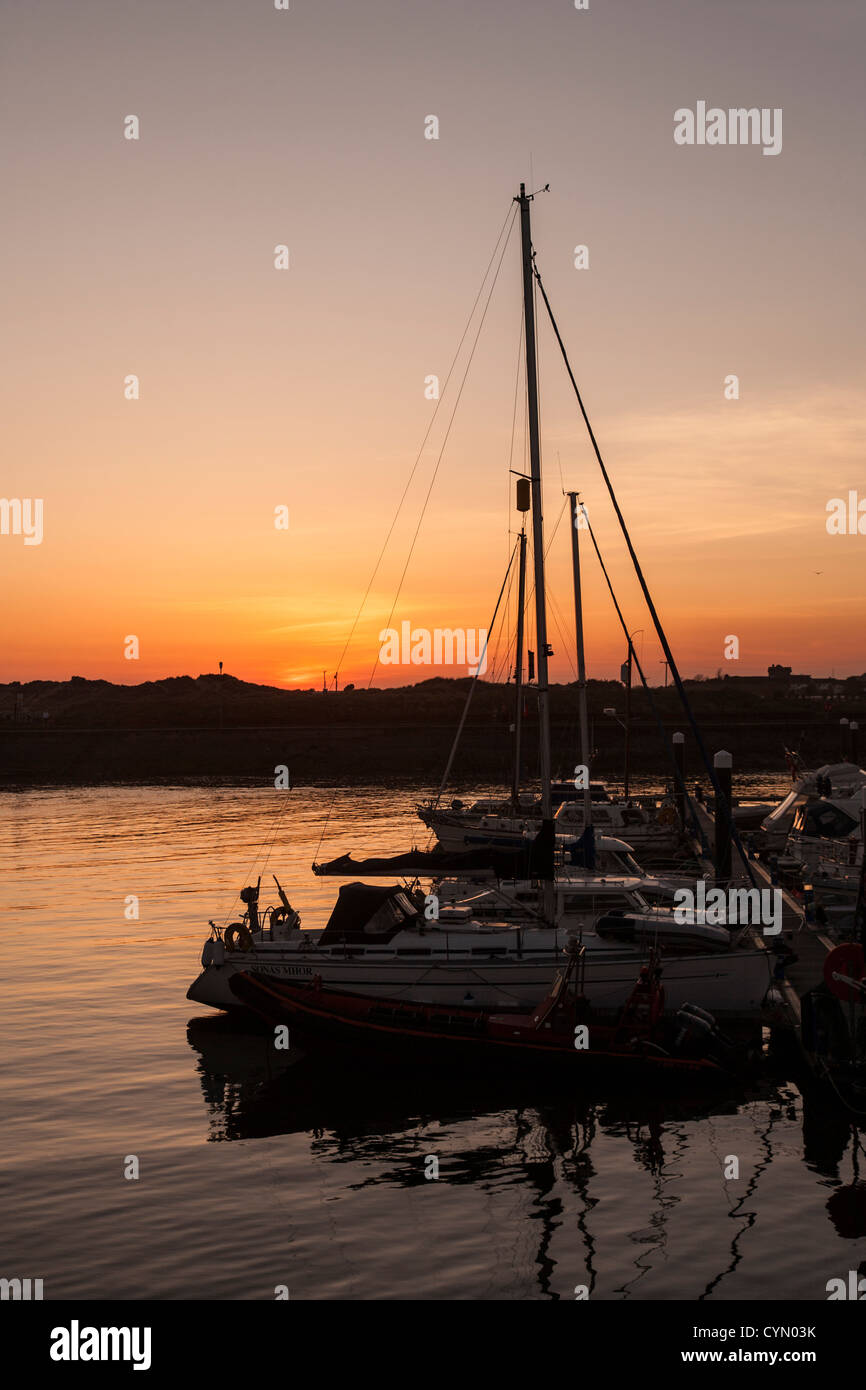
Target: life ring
{"x": 244, "y": 936}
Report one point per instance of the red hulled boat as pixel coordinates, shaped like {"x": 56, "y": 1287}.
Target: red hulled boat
{"x": 560, "y": 1031}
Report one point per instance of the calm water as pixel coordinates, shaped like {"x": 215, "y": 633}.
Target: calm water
{"x": 254, "y": 1174}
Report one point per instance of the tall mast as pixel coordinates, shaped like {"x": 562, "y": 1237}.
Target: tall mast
{"x": 524, "y": 200}
{"x": 522, "y": 506}
{"x": 581, "y": 661}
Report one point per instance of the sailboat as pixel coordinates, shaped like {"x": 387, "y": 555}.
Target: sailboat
{"x": 386, "y": 941}
{"x": 580, "y": 804}
{"x": 458, "y": 828}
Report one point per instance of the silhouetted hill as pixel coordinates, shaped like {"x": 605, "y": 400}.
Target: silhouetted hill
{"x": 218, "y": 726}
{"x": 196, "y": 702}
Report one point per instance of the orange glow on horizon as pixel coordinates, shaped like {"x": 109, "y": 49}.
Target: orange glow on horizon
{"x": 305, "y": 388}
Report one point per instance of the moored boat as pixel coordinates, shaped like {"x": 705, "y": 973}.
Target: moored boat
{"x": 829, "y": 799}
{"x": 560, "y": 1032}
{"x": 391, "y": 943}
{"x": 646, "y": 830}
{"x": 378, "y": 941}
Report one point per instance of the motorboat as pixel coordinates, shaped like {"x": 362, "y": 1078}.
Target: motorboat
{"x": 643, "y": 1041}
{"x": 823, "y": 857}
{"x": 833, "y": 782}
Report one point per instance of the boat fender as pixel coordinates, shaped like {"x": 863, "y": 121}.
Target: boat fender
{"x": 218, "y": 953}
{"x": 238, "y": 937}
{"x": 207, "y": 953}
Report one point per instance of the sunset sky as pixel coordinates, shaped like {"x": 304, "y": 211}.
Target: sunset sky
{"x": 305, "y": 387}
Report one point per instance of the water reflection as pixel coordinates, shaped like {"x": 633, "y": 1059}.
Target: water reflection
{"x": 244, "y": 1081}
{"x": 499, "y": 1131}
{"x": 624, "y": 1193}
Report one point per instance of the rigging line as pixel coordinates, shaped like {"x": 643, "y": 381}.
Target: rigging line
{"x": 446, "y": 774}
{"x": 643, "y": 678}
{"x": 508, "y": 662}
{"x": 444, "y": 442}
{"x": 721, "y": 804}
{"x": 511, "y": 645}
{"x": 325, "y": 825}
{"x": 270, "y": 837}
{"x": 498, "y": 656}
{"x": 505, "y": 245}
{"x": 528, "y": 608}
{"x": 559, "y": 618}
{"x": 273, "y": 839}
{"x": 564, "y": 645}
{"x": 516, "y": 391}
{"x": 495, "y": 664}
{"x": 509, "y": 214}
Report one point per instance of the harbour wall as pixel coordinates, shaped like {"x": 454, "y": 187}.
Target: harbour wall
{"x": 336, "y": 753}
